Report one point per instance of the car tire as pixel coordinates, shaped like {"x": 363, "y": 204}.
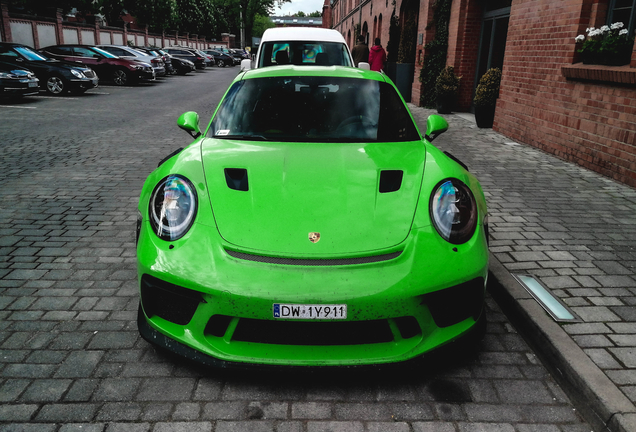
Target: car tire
{"x": 120, "y": 77}
{"x": 220, "y": 63}
{"x": 55, "y": 85}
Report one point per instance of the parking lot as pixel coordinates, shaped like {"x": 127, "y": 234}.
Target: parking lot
{"x": 71, "y": 358}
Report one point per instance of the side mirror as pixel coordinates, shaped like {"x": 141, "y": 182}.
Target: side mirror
{"x": 435, "y": 126}
{"x": 246, "y": 65}
{"x": 189, "y": 122}
{"x": 364, "y": 65}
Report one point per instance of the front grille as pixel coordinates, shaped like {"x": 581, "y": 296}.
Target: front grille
{"x": 313, "y": 333}
{"x": 89, "y": 74}
{"x": 168, "y": 301}
{"x": 312, "y": 261}
{"x": 455, "y": 304}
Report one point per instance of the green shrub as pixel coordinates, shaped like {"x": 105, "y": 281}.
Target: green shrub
{"x": 488, "y": 89}
{"x": 447, "y": 83}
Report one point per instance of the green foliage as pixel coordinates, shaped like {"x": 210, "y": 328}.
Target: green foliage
{"x": 393, "y": 46}
{"x": 488, "y": 89}
{"x": 436, "y": 52}
{"x": 610, "y": 45}
{"x": 408, "y": 39}
{"x": 447, "y": 83}
{"x": 316, "y": 14}
{"x": 159, "y": 15}
{"x": 261, "y": 23}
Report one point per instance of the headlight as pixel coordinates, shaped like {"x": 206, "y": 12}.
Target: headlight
{"x": 77, "y": 73}
{"x": 453, "y": 211}
{"x": 173, "y": 206}
{"x": 6, "y": 75}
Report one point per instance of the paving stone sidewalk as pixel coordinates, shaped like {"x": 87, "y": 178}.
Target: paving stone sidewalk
{"x": 572, "y": 229}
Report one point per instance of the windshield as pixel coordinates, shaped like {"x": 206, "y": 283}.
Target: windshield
{"x": 104, "y": 53}
{"x": 313, "y": 109}
{"x": 29, "y": 54}
{"x": 304, "y": 53}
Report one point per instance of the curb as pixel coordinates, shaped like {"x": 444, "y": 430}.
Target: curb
{"x": 596, "y": 397}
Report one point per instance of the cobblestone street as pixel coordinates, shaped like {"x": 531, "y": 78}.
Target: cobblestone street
{"x": 71, "y": 358}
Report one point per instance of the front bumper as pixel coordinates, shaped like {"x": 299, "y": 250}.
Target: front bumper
{"x": 399, "y": 308}
{"x": 19, "y": 87}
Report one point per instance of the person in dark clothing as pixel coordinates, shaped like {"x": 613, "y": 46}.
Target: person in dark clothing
{"x": 360, "y": 52}
{"x": 377, "y": 56}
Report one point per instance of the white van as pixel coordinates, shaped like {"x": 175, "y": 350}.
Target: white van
{"x": 302, "y": 46}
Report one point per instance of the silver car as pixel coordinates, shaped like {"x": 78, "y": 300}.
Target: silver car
{"x": 127, "y": 52}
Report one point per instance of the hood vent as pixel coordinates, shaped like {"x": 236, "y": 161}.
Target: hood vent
{"x": 390, "y": 180}
{"x": 236, "y": 179}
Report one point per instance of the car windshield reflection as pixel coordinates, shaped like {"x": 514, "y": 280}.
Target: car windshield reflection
{"x": 30, "y": 54}
{"x": 313, "y": 109}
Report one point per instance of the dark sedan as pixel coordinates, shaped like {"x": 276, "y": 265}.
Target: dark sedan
{"x": 220, "y": 58}
{"x": 16, "y": 81}
{"x": 56, "y": 77}
{"x": 187, "y": 54}
{"x": 109, "y": 67}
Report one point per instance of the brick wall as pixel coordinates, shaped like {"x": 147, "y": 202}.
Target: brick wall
{"x": 592, "y": 123}
{"x": 463, "y": 46}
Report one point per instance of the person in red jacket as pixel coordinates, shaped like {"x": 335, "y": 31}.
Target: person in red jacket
{"x": 377, "y": 56}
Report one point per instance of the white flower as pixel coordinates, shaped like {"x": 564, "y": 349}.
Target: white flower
{"x": 623, "y": 32}
{"x": 605, "y": 29}
{"x": 594, "y": 32}
{"x": 617, "y": 25}
{"x": 579, "y": 38}
{"x": 589, "y": 29}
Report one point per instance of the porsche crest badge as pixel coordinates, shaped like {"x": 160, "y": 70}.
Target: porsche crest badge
{"x": 314, "y": 237}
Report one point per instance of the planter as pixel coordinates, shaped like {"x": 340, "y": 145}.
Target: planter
{"x": 484, "y": 116}
{"x": 445, "y": 105}
{"x": 608, "y": 59}
{"x": 402, "y": 76}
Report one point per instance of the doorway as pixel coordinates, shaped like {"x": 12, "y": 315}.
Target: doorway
{"x": 494, "y": 31}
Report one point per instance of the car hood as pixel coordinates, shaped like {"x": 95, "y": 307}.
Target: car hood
{"x": 294, "y": 189}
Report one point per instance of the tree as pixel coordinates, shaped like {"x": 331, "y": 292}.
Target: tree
{"x": 261, "y": 23}
{"x": 300, "y": 14}
{"x": 316, "y": 14}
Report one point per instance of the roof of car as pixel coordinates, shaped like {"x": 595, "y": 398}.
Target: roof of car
{"x": 293, "y": 70}
{"x": 302, "y": 34}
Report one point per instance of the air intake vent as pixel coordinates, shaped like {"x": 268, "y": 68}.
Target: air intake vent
{"x": 236, "y": 179}
{"x": 390, "y": 180}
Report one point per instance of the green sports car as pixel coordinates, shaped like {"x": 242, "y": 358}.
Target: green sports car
{"x": 310, "y": 224}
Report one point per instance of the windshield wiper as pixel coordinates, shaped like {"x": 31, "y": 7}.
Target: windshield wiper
{"x": 243, "y": 137}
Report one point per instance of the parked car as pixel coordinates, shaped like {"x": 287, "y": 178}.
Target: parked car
{"x": 131, "y": 53}
{"x": 56, "y": 77}
{"x": 16, "y": 81}
{"x": 118, "y": 70}
{"x": 238, "y": 56}
{"x": 209, "y": 59}
{"x": 220, "y": 59}
{"x": 167, "y": 61}
{"x": 182, "y": 66}
{"x": 302, "y": 46}
{"x": 187, "y": 54}
{"x": 311, "y": 224}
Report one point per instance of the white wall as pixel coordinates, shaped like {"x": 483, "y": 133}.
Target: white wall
{"x": 46, "y": 35}
{"x": 22, "y": 33}
{"x": 70, "y": 36}
{"x": 88, "y": 37}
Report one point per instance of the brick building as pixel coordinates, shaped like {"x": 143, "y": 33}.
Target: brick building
{"x": 583, "y": 113}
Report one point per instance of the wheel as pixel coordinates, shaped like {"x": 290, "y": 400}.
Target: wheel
{"x": 120, "y": 77}
{"x": 55, "y": 85}
{"x": 220, "y": 63}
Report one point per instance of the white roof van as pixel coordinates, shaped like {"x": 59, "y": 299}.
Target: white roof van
{"x": 302, "y": 46}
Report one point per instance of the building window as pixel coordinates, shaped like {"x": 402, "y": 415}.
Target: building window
{"x": 622, "y": 11}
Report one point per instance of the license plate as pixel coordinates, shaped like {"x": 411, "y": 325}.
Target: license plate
{"x": 33, "y": 84}
{"x": 307, "y": 311}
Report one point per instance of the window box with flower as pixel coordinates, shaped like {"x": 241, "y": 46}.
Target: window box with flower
{"x": 610, "y": 45}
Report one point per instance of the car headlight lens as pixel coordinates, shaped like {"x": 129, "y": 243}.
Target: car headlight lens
{"x": 173, "y": 206}
{"x": 77, "y": 73}
{"x": 453, "y": 211}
